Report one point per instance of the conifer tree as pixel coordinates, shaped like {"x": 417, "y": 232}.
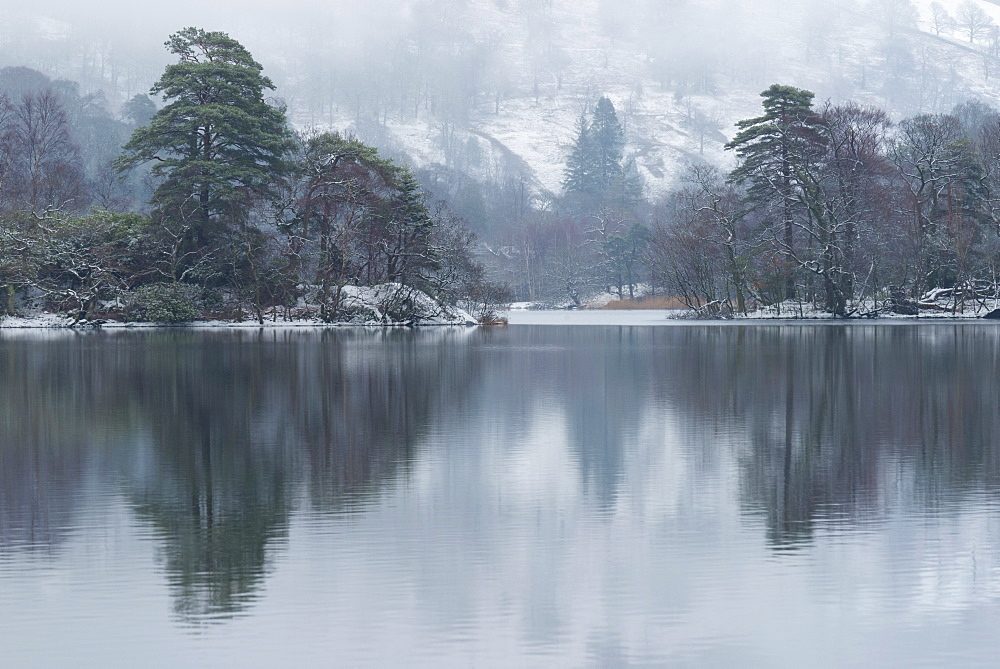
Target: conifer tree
{"x": 594, "y": 169}
{"x": 632, "y": 184}
{"x": 217, "y": 143}
{"x": 608, "y": 140}
{"x": 410, "y": 226}
{"x": 580, "y": 176}
{"x": 772, "y": 148}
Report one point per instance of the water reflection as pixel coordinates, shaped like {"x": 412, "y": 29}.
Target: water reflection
{"x": 559, "y": 482}
{"x": 212, "y": 430}
{"x": 213, "y": 480}
{"x": 819, "y": 412}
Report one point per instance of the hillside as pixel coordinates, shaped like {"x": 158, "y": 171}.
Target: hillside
{"x": 492, "y": 88}
{"x": 721, "y": 56}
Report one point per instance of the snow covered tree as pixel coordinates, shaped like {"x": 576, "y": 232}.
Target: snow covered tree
{"x": 945, "y": 181}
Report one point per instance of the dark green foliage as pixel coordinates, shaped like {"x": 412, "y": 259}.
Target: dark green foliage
{"x": 775, "y": 150}
{"x": 770, "y": 146}
{"x": 138, "y": 111}
{"x": 594, "y": 173}
{"x": 580, "y": 176}
{"x": 408, "y": 228}
{"x": 608, "y": 142}
{"x": 169, "y": 304}
{"x": 218, "y": 145}
{"x": 235, "y": 212}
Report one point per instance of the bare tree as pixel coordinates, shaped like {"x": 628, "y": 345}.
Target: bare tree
{"x": 894, "y": 15}
{"x": 49, "y": 171}
{"x": 940, "y": 19}
{"x": 973, "y": 20}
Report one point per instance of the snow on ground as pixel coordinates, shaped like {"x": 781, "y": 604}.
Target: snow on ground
{"x": 41, "y": 319}
{"x": 391, "y": 303}
{"x": 552, "y": 65}
{"x": 523, "y": 313}
{"x": 382, "y": 305}
{"x": 836, "y": 50}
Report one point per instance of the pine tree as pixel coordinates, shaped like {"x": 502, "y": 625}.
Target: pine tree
{"x": 217, "y": 143}
{"x": 580, "y": 171}
{"x": 608, "y": 143}
{"x": 410, "y": 225}
{"x": 632, "y": 184}
{"x": 594, "y": 169}
{"x": 772, "y": 148}
{"x": 138, "y": 111}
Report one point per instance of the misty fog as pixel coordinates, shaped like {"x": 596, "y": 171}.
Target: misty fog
{"x": 426, "y": 78}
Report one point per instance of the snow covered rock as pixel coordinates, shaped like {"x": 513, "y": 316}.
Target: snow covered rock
{"x": 394, "y": 303}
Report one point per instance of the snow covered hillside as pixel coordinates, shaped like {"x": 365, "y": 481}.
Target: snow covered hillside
{"x": 679, "y": 100}
{"x": 493, "y": 88}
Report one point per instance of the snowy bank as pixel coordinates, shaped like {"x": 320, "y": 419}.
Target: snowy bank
{"x": 390, "y": 304}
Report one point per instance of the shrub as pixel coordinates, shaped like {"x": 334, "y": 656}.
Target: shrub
{"x": 488, "y": 300}
{"x": 163, "y": 303}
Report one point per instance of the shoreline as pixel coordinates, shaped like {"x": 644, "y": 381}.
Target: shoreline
{"x": 35, "y": 324}
{"x": 579, "y": 317}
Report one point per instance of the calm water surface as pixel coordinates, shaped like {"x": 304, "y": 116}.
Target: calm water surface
{"x": 584, "y": 496}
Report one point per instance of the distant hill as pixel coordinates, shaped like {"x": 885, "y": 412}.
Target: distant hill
{"x": 492, "y": 88}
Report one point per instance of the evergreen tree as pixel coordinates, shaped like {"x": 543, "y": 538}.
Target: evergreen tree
{"x": 138, "y": 111}
{"x": 608, "y": 140}
{"x": 594, "y": 169}
{"x": 632, "y": 184}
{"x": 217, "y": 143}
{"x": 580, "y": 171}
{"x": 409, "y": 228}
{"x": 772, "y": 148}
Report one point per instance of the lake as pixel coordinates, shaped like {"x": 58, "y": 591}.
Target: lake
{"x": 604, "y": 495}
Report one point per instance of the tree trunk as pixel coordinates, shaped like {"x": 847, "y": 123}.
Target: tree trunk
{"x": 786, "y": 182}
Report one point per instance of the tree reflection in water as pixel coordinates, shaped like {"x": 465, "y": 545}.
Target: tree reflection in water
{"x": 818, "y": 413}
{"x": 215, "y": 431}
{"x": 217, "y": 438}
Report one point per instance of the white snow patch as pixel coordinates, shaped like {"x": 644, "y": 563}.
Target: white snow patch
{"x": 385, "y": 304}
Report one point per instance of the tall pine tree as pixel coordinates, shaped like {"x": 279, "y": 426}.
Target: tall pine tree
{"x": 772, "y": 148}
{"x": 594, "y": 170}
{"x": 580, "y": 175}
{"x": 217, "y": 143}
{"x": 608, "y": 140}
{"x": 409, "y": 225}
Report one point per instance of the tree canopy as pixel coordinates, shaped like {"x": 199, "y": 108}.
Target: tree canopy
{"x": 217, "y": 144}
